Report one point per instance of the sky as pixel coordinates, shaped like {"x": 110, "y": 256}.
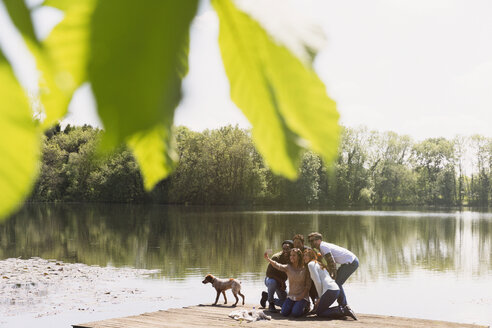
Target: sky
{"x": 416, "y": 67}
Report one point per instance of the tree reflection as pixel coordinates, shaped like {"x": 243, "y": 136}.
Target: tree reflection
{"x": 183, "y": 241}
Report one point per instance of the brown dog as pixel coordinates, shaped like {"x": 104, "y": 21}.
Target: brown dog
{"x": 221, "y": 285}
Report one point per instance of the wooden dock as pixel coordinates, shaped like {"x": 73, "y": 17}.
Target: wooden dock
{"x": 218, "y": 316}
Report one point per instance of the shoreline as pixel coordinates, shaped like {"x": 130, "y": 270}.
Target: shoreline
{"x": 44, "y": 291}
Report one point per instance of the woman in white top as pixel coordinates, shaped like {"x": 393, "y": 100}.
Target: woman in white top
{"x": 326, "y": 287}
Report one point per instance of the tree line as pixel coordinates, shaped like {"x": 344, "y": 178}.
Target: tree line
{"x": 222, "y": 167}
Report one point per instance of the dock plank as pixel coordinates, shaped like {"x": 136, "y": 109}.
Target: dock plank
{"x": 217, "y": 316}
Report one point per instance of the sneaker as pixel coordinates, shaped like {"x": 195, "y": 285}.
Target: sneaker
{"x": 307, "y": 308}
{"x": 348, "y": 312}
{"x": 272, "y": 308}
{"x": 312, "y": 312}
{"x": 264, "y": 297}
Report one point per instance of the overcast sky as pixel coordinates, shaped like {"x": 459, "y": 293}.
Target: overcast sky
{"x": 422, "y": 68}
{"x": 417, "y": 67}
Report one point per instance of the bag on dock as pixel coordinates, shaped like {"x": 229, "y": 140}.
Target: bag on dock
{"x": 249, "y": 316}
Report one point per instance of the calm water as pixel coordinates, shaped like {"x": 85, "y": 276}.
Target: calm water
{"x": 435, "y": 265}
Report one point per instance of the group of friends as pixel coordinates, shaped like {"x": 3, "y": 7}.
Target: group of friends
{"x": 309, "y": 278}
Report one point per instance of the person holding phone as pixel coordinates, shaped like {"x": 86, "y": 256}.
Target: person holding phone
{"x": 299, "y": 283}
{"x": 275, "y": 279}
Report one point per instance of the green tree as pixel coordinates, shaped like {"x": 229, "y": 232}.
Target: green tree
{"x": 351, "y": 167}
{"x": 434, "y": 163}
{"x": 117, "y": 179}
{"x": 222, "y": 166}
{"x": 480, "y": 181}
{"x": 459, "y": 150}
{"x": 309, "y": 178}
{"x": 395, "y": 176}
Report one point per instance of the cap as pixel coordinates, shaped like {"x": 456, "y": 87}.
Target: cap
{"x": 288, "y": 241}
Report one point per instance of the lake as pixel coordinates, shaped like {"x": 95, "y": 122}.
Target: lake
{"x": 435, "y": 265}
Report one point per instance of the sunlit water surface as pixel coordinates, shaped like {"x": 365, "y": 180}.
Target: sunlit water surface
{"x": 433, "y": 265}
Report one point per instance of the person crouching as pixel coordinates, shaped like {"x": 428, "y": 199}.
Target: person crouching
{"x": 275, "y": 279}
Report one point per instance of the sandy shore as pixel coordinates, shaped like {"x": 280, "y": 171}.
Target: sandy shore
{"x": 49, "y": 287}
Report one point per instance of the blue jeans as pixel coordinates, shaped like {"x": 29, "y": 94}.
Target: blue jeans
{"x": 343, "y": 272}
{"x": 272, "y": 288}
{"x": 324, "y": 310}
{"x": 296, "y": 308}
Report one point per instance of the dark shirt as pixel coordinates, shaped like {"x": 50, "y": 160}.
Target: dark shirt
{"x": 274, "y": 273}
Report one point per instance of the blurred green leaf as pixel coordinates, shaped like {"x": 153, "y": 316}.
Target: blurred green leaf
{"x": 68, "y": 44}
{"x": 152, "y": 148}
{"x": 55, "y": 92}
{"x": 60, "y": 4}
{"x": 19, "y": 141}
{"x": 135, "y": 63}
{"x": 139, "y": 55}
{"x": 64, "y": 59}
{"x": 154, "y": 154}
{"x": 135, "y": 57}
{"x": 283, "y": 99}
{"x": 21, "y": 17}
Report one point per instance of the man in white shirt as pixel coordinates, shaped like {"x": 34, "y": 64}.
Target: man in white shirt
{"x": 347, "y": 260}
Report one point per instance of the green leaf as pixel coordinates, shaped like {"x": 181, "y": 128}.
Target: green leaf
{"x": 60, "y": 4}
{"x": 283, "y": 99}
{"x": 68, "y": 44}
{"x": 139, "y": 55}
{"x": 152, "y": 148}
{"x": 135, "y": 64}
{"x": 55, "y": 89}
{"x": 19, "y": 142}
{"x": 55, "y": 92}
{"x": 21, "y": 17}
{"x": 154, "y": 154}
{"x": 64, "y": 59}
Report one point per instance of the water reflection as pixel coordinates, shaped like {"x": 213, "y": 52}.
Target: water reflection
{"x": 183, "y": 241}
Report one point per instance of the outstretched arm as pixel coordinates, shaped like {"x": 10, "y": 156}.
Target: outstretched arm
{"x": 276, "y": 265}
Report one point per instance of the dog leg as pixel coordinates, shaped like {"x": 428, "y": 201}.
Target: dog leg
{"x": 225, "y": 298}
{"x": 237, "y": 299}
{"x": 217, "y": 298}
{"x": 241, "y": 296}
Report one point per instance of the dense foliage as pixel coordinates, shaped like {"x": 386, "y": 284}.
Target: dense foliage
{"x": 222, "y": 166}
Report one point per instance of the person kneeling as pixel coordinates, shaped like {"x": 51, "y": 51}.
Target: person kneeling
{"x": 299, "y": 283}
{"x": 275, "y": 279}
{"x": 327, "y": 288}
